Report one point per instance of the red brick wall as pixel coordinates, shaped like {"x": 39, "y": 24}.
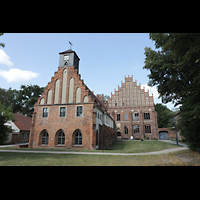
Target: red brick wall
{"x": 68, "y": 124}
{"x": 141, "y": 122}
{"x": 107, "y": 136}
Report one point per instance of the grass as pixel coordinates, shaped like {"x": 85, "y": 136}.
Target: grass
{"x": 139, "y": 146}
{"x": 119, "y": 147}
{"x": 24, "y": 159}
{"x": 31, "y": 159}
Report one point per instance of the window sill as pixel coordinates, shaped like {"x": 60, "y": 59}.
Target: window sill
{"x": 60, "y": 145}
{"x": 78, "y": 146}
{"x": 44, "y": 145}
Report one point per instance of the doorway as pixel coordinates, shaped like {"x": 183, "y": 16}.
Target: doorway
{"x": 163, "y": 135}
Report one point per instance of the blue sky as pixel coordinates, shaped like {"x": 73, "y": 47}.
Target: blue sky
{"x": 105, "y": 58}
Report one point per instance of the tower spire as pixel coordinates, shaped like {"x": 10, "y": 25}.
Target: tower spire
{"x": 70, "y": 45}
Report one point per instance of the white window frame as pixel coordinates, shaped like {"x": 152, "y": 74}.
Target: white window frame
{"x": 45, "y": 108}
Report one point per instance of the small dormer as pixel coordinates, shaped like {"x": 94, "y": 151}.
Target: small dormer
{"x": 69, "y": 58}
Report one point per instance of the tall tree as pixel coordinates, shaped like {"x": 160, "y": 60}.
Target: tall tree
{"x": 175, "y": 69}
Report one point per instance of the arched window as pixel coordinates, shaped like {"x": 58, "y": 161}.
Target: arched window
{"x": 61, "y": 138}
{"x": 71, "y": 90}
{"x": 118, "y": 132}
{"x": 64, "y": 87}
{"x": 78, "y": 95}
{"x": 45, "y": 138}
{"x": 49, "y": 96}
{"x": 78, "y": 138}
{"x": 42, "y": 101}
{"x": 57, "y": 88}
{"x": 85, "y": 99}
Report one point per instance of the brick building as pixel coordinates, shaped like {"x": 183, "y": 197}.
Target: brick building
{"x": 20, "y": 129}
{"x": 133, "y": 111}
{"x": 68, "y": 114}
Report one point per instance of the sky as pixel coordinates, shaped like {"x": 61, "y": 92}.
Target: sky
{"x": 105, "y": 58}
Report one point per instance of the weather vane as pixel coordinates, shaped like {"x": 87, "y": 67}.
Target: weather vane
{"x": 70, "y": 44}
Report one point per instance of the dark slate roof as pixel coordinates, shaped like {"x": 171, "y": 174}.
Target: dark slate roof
{"x": 67, "y": 51}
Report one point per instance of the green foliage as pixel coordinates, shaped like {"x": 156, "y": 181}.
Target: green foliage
{"x": 10, "y": 98}
{"x": 21, "y": 100}
{"x": 175, "y": 69}
{"x": 5, "y": 115}
{"x": 16, "y": 101}
{"x": 189, "y": 123}
{"x": 164, "y": 116}
{"x": 28, "y": 96}
{"x": 2, "y": 44}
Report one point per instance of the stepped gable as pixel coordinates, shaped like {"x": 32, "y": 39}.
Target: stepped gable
{"x": 130, "y": 94}
{"x": 78, "y": 82}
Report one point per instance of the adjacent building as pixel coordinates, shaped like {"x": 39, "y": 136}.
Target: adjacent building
{"x": 21, "y": 129}
{"x": 133, "y": 110}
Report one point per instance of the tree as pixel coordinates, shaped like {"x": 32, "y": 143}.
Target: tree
{"x": 10, "y": 98}
{"x": 2, "y": 44}
{"x": 28, "y": 96}
{"x": 21, "y": 100}
{"x": 5, "y": 116}
{"x": 175, "y": 69}
{"x": 164, "y": 116}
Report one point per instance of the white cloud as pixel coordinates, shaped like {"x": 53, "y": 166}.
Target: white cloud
{"x": 14, "y": 75}
{"x": 152, "y": 90}
{"x": 5, "y": 59}
{"x": 17, "y": 75}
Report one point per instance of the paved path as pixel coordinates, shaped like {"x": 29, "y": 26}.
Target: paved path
{"x": 174, "y": 142}
{"x": 12, "y": 145}
{"x": 165, "y": 151}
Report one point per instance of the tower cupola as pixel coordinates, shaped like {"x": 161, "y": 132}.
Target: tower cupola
{"x": 69, "y": 58}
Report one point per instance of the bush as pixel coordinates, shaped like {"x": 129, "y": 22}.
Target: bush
{"x": 189, "y": 124}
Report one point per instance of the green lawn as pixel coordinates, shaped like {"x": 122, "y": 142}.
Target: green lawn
{"x": 119, "y": 147}
{"x": 32, "y": 159}
{"x": 139, "y": 146}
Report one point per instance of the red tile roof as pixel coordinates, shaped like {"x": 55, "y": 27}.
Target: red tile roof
{"x": 22, "y": 122}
